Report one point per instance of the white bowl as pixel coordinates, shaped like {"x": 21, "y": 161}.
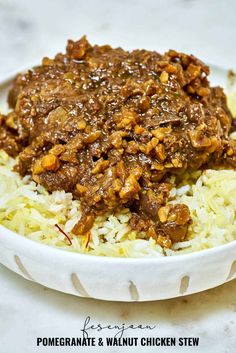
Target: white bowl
{"x": 118, "y": 279}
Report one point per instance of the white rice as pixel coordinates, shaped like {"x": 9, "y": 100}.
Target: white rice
{"x": 28, "y": 209}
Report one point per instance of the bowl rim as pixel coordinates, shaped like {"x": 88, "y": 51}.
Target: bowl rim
{"x": 15, "y": 240}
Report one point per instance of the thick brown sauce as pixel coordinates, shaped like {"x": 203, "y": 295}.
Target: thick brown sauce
{"x": 109, "y": 125}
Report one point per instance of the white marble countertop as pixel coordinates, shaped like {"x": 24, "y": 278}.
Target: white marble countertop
{"x": 29, "y": 30}
{"x": 29, "y": 310}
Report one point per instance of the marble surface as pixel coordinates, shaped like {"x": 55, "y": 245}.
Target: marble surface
{"x": 28, "y": 311}
{"x": 31, "y": 29}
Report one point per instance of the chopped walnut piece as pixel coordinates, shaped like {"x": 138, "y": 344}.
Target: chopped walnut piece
{"x": 179, "y": 213}
{"x": 198, "y": 139}
{"x": 81, "y": 124}
{"x": 160, "y": 152}
{"x": 157, "y": 166}
{"x": 57, "y": 150}
{"x": 164, "y": 77}
{"x": 50, "y": 162}
{"x": 47, "y": 62}
{"x": 130, "y": 188}
{"x": 92, "y": 137}
{"x": 128, "y": 120}
{"x": 100, "y": 166}
{"x": 57, "y": 116}
{"x": 77, "y": 50}
{"x": 163, "y": 213}
{"x": 171, "y": 69}
{"x": 117, "y": 185}
{"x": 203, "y": 91}
{"x": 177, "y": 163}
{"x": 161, "y": 132}
{"x": 230, "y": 152}
{"x": 11, "y": 121}
{"x": 116, "y": 138}
{"x": 132, "y": 147}
{"x": 151, "y": 145}
{"x": 194, "y": 71}
{"x": 139, "y": 130}
{"x": 81, "y": 188}
{"x": 164, "y": 241}
{"x": 37, "y": 167}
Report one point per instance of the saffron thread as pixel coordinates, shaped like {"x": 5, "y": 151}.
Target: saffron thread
{"x": 88, "y": 240}
{"x": 62, "y": 231}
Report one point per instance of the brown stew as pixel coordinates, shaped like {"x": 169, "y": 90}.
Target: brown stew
{"x": 110, "y": 126}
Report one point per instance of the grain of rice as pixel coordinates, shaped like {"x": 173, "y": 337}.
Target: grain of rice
{"x": 28, "y": 209}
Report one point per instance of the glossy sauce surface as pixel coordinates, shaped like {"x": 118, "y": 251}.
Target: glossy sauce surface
{"x": 110, "y": 125}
